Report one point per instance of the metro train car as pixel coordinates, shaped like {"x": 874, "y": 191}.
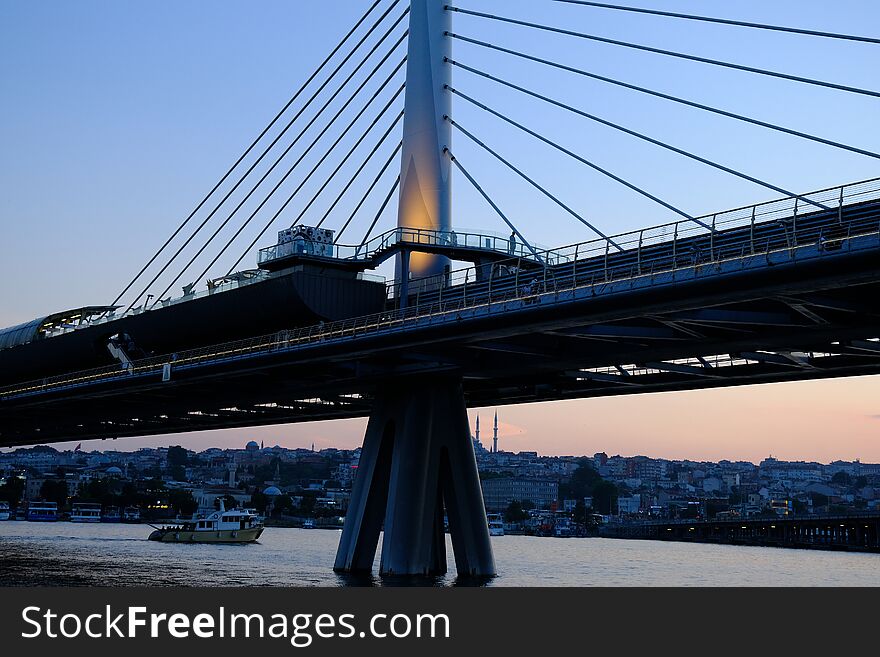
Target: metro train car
{"x": 246, "y": 304}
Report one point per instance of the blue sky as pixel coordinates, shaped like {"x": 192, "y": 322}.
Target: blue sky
{"x": 119, "y": 116}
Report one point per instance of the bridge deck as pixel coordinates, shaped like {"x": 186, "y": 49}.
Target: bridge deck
{"x": 675, "y": 247}
{"x": 768, "y": 301}
{"x": 854, "y": 532}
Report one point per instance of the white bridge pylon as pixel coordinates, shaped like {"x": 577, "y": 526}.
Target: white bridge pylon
{"x": 425, "y": 184}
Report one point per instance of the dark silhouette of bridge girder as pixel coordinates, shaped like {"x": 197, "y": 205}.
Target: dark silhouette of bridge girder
{"x": 796, "y": 313}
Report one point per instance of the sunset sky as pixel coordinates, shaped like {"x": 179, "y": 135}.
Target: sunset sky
{"x": 118, "y": 117}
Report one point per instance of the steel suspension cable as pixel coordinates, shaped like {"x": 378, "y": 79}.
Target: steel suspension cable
{"x": 311, "y": 173}
{"x": 529, "y": 180}
{"x": 303, "y": 182}
{"x": 305, "y": 153}
{"x": 381, "y": 210}
{"x": 634, "y": 133}
{"x": 290, "y": 102}
{"x": 344, "y": 161}
{"x": 489, "y": 200}
{"x": 277, "y": 214}
{"x": 369, "y": 191}
{"x": 671, "y": 53}
{"x": 360, "y": 170}
{"x": 581, "y": 159}
{"x": 723, "y": 21}
{"x": 675, "y": 99}
{"x": 283, "y": 132}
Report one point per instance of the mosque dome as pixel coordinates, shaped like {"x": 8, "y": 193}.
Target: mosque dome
{"x": 272, "y": 491}
{"x": 252, "y": 446}
{"x": 113, "y": 470}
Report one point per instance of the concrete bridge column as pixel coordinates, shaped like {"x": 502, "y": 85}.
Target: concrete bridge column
{"x": 417, "y": 461}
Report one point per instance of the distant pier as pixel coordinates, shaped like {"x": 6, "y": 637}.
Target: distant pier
{"x": 856, "y": 533}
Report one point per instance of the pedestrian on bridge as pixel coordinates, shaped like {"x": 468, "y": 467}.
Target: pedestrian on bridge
{"x": 512, "y": 246}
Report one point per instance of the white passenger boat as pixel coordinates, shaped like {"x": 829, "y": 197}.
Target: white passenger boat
{"x": 85, "y": 512}
{"x": 4, "y": 511}
{"x": 496, "y": 524}
{"x": 233, "y": 526}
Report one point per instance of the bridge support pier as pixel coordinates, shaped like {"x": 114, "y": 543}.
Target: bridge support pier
{"x": 417, "y": 459}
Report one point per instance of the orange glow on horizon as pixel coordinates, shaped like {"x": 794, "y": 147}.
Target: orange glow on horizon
{"x": 808, "y": 420}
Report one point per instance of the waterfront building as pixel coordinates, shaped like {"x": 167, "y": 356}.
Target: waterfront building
{"x": 498, "y": 493}
{"x": 629, "y": 504}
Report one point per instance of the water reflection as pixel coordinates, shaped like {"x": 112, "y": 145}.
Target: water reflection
{"x": 64, "y": 554}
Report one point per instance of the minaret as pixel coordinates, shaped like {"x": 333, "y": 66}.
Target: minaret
{"x": 478, "y": 427}
{"x": 495, "y": 435}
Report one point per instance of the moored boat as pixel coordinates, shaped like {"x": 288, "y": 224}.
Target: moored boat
{"x": 496, "y": 524}
{"x": 131, "y": 514}
{"x": 563, "y": 528}
{"x": 233, "y": 526}
{"x": 42, "y": 512}
{"x": 111, "y": 514}
{"x": 4, "y": 511}
{"x": 85, "y": 512}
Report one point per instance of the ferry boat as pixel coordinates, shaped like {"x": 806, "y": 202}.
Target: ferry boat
{"x": 85, "y": 512}
{"x": 131, "y": 514}
{"x": 42, "y": 512}
{"x": 4, "y": 511}
{"x": 233, "y": 526}
{"x": 111, "y": 514}
{"x": 496, "y": 524}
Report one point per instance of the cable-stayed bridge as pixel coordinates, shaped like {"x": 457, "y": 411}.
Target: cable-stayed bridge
{"x": 783, "y": 290}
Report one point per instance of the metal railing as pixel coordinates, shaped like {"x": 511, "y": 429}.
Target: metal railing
{"x": 447, "y": 304}
{"x": 641, "y": 246}
{"x": 381, "y": 244}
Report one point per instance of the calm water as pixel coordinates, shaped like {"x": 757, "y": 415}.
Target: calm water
{"x": 63, "y": 553}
